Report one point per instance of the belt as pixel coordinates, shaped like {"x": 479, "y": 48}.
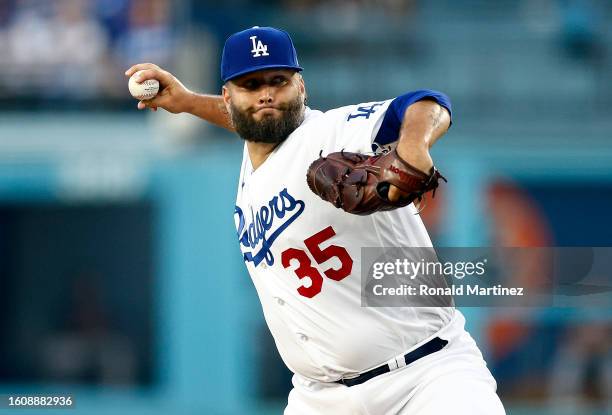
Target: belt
{"x": 434, "y": 345}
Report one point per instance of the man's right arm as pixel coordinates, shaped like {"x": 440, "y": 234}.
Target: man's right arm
{"x": 210, "y": 108}
{"x": 174, "y": 97}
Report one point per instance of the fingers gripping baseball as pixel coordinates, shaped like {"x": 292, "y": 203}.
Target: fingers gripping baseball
{"x": 140, "y": 67}
{"x": 172, "y": 96}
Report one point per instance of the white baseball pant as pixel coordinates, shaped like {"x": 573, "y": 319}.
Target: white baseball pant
{"x": 453, "y": 380}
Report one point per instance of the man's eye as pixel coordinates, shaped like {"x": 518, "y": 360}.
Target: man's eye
{"x": 251, "y": 85}
{"x": 279, "y": 80}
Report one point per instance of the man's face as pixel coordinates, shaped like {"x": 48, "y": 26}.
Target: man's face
{"x": 266, "y": 106}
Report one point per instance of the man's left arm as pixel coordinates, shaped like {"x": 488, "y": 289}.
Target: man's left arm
{"x": 424, "y": 122}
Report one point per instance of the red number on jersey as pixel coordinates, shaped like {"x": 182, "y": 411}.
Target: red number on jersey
{"x": 305, "y": 268}
{"x": 322, "y": 255}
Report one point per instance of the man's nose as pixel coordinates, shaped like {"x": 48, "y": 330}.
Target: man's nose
{"x": 266, "y": 96}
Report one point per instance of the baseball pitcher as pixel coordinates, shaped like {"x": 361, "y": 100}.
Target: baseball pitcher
{"x": 315, "y": 187}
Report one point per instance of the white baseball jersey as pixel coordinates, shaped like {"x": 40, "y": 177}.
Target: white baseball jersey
{"x": 303, "y": 254}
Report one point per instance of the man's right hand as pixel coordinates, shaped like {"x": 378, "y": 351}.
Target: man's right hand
{"x": 173, "y": 96}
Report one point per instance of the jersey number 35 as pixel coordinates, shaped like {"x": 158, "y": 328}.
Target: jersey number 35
{"x": 305, "y": 268}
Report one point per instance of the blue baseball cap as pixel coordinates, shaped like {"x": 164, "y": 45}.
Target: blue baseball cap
{"x": 255, "y": 49}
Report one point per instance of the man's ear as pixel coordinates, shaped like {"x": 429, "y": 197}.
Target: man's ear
{"x": 227, "y": 99}
{"x": 302, "y": 87}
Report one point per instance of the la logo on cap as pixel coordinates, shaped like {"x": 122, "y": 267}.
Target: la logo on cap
{"x": 259, "y": 49}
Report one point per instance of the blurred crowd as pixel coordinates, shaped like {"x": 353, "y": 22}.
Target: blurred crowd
{"x": 350, "y": 16}
{"x": 79, "y": 48}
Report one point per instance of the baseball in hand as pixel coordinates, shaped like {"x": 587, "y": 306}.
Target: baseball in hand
{"x": 145, "y": 90}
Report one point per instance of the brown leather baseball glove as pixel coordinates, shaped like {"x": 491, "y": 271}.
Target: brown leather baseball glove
{"x": 359, "y": 184}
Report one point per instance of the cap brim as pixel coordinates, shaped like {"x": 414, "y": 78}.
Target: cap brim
{"x": 261, "y": 68}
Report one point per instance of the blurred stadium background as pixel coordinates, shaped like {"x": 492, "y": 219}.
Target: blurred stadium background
{"x": 121, "y": 281}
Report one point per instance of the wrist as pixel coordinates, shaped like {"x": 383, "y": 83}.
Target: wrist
{"x": 416, "y": 154}
{"x": 410, "y": 148}
{"x": 190, "y": 102}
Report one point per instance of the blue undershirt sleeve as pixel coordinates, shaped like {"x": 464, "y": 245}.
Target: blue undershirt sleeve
{"x": 392, "y": 122}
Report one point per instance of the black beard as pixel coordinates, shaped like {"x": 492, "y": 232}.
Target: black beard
{"x": 269, "y": 130}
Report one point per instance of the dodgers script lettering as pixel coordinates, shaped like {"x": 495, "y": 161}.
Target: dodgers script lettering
{"x": 266, "y": 224}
